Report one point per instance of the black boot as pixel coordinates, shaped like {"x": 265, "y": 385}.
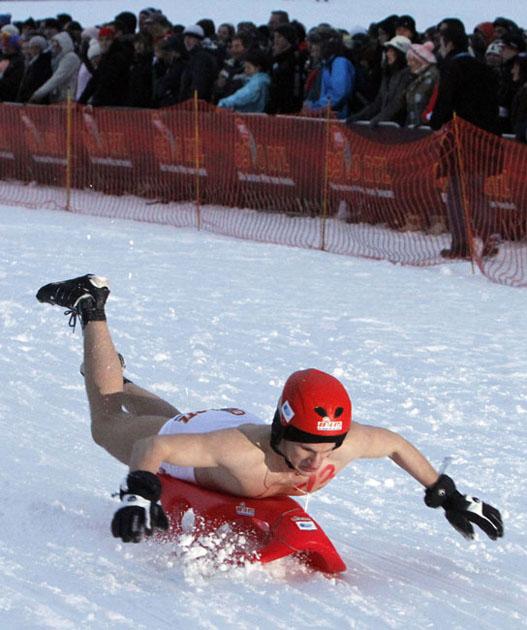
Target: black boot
{"x": 84, "y": 297}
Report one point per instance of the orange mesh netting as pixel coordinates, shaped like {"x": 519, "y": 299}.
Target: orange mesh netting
{"x": 402, "y": 195}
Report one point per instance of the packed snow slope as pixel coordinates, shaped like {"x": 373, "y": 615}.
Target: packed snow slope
{"x": 341, "y": 13}
{"x": 437, "y": 354}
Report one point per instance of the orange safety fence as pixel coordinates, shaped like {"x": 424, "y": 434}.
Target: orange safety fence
{"x": 402, "y": 195}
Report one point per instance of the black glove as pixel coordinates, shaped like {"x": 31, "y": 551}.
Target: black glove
{"x": 462, "y": 510}
{"x": 141, "y": 512}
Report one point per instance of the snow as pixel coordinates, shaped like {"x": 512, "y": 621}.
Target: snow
{"x": 437, "y": 354}
{"x": 340, "y": 13}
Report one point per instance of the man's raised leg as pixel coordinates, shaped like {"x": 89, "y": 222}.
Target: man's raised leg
{"x": 113, "y": 428}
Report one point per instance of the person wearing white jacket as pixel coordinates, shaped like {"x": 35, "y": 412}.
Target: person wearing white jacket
{"x": 65, "y": 64}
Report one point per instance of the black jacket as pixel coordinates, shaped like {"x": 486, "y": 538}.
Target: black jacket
{"x": 286, "y": 92}
{"x": 519, "y": 113}
{"x": 36, "y": 74}
{"x": 167, "y": 87}
{"x": 108, "y": 87}
{"x": 199, "y": 75}
{"x": 140, "y": 81}
{"x": 468, "y": 88}
{"x": 12, "y": 77}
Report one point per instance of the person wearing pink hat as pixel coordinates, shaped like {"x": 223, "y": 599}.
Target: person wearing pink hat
{"x": 425, "y": 75}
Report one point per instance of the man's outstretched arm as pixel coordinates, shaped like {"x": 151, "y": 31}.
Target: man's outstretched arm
{"x": 462, "y": 511}
{"x": 375, "y": 442}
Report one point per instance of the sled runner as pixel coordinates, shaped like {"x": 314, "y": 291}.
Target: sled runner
{"x": 274, "y": 527}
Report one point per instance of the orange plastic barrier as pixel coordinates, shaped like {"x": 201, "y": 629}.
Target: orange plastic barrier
{"x": 386, "y": 193}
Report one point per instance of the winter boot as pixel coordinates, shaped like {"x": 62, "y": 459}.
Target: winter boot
{"x": 83, "y": 297}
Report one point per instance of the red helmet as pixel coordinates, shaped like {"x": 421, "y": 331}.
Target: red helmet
{"x": 313, "y": 407}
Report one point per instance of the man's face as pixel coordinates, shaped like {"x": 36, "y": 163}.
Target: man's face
{"x": 31, "y": 51}
{"x": 499, "y": 32}
{"x": 382, "y": 36}
{"x": 307, "y": 459}
{"x": 190, "y": 42}
{"x": 444, "y": 47}
{"x": 280, "y": 43}
{"x": 274, "y": 21}
{"x": 223, "y": 34}
{"x": 105, "y": 43}
{"x": 237, "y": 49}
{"x": 391, "y": 55}
{"x": 493, "y": 60}
{"x": 55, "y": 48}
{"x": 403, "y": 30}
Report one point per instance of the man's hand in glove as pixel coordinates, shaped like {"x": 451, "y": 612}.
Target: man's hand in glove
{"x": 141, "y": 512}
{"x": 462, "y": 510}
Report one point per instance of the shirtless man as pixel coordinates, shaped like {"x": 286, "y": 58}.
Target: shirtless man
{"x": 312, "y": 436}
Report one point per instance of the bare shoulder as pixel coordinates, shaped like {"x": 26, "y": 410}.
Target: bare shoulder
{"x": 243, "y": 442}
{"x": 365, "y": 441}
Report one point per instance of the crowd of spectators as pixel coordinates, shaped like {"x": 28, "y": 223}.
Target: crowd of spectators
{"x": 390, "y": 71}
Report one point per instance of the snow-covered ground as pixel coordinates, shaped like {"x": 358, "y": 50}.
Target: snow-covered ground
{"x": 437, "y": 354}
{"x": 341, "y": 13}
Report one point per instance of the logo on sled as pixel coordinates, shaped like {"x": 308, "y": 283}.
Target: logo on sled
{"x": 303, "y": 523}
{"x": 243, "y": 510}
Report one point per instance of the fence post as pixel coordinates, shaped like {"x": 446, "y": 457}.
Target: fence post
{"x": 325, "y": 183}
{"x": 467, "y": 210}
{"x": 197, "y": 160}
{"x": 69, "y": 148}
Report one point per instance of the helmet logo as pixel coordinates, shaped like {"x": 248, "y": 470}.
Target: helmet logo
{"x": 327, "y": 424}
{"x": 287, "y": 411}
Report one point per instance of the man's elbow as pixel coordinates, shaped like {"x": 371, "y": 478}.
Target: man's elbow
{"x": 147, "y": 454}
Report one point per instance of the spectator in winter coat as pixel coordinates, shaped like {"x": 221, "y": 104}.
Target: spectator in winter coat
{"x": 141, "y": 78}
{"x": 232, "y": 76}
{"x": 313, "y": 68}
{"x": 171, "y": 60}
{"x": 287, "y": 90}
{"x": 38, "y": 69}
{"x": 337, "y": 77}
{"x": 65, "y": 65}
{"x": 201, "y": 71}
{"x": 253, "y": 96}
{"x": 109, "y": 85}
{"x": 467, "y": 88}
{"x": 390, "y": 102}
{"x": 519, "y": 102}
{"x": 425, "y": 76}
{"x": 12, "y": 67}
{"x": 513, "y": 44}
{"x": 88, "y": 67}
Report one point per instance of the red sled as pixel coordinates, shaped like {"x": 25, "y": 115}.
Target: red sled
{"x": 276, "y": 527}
